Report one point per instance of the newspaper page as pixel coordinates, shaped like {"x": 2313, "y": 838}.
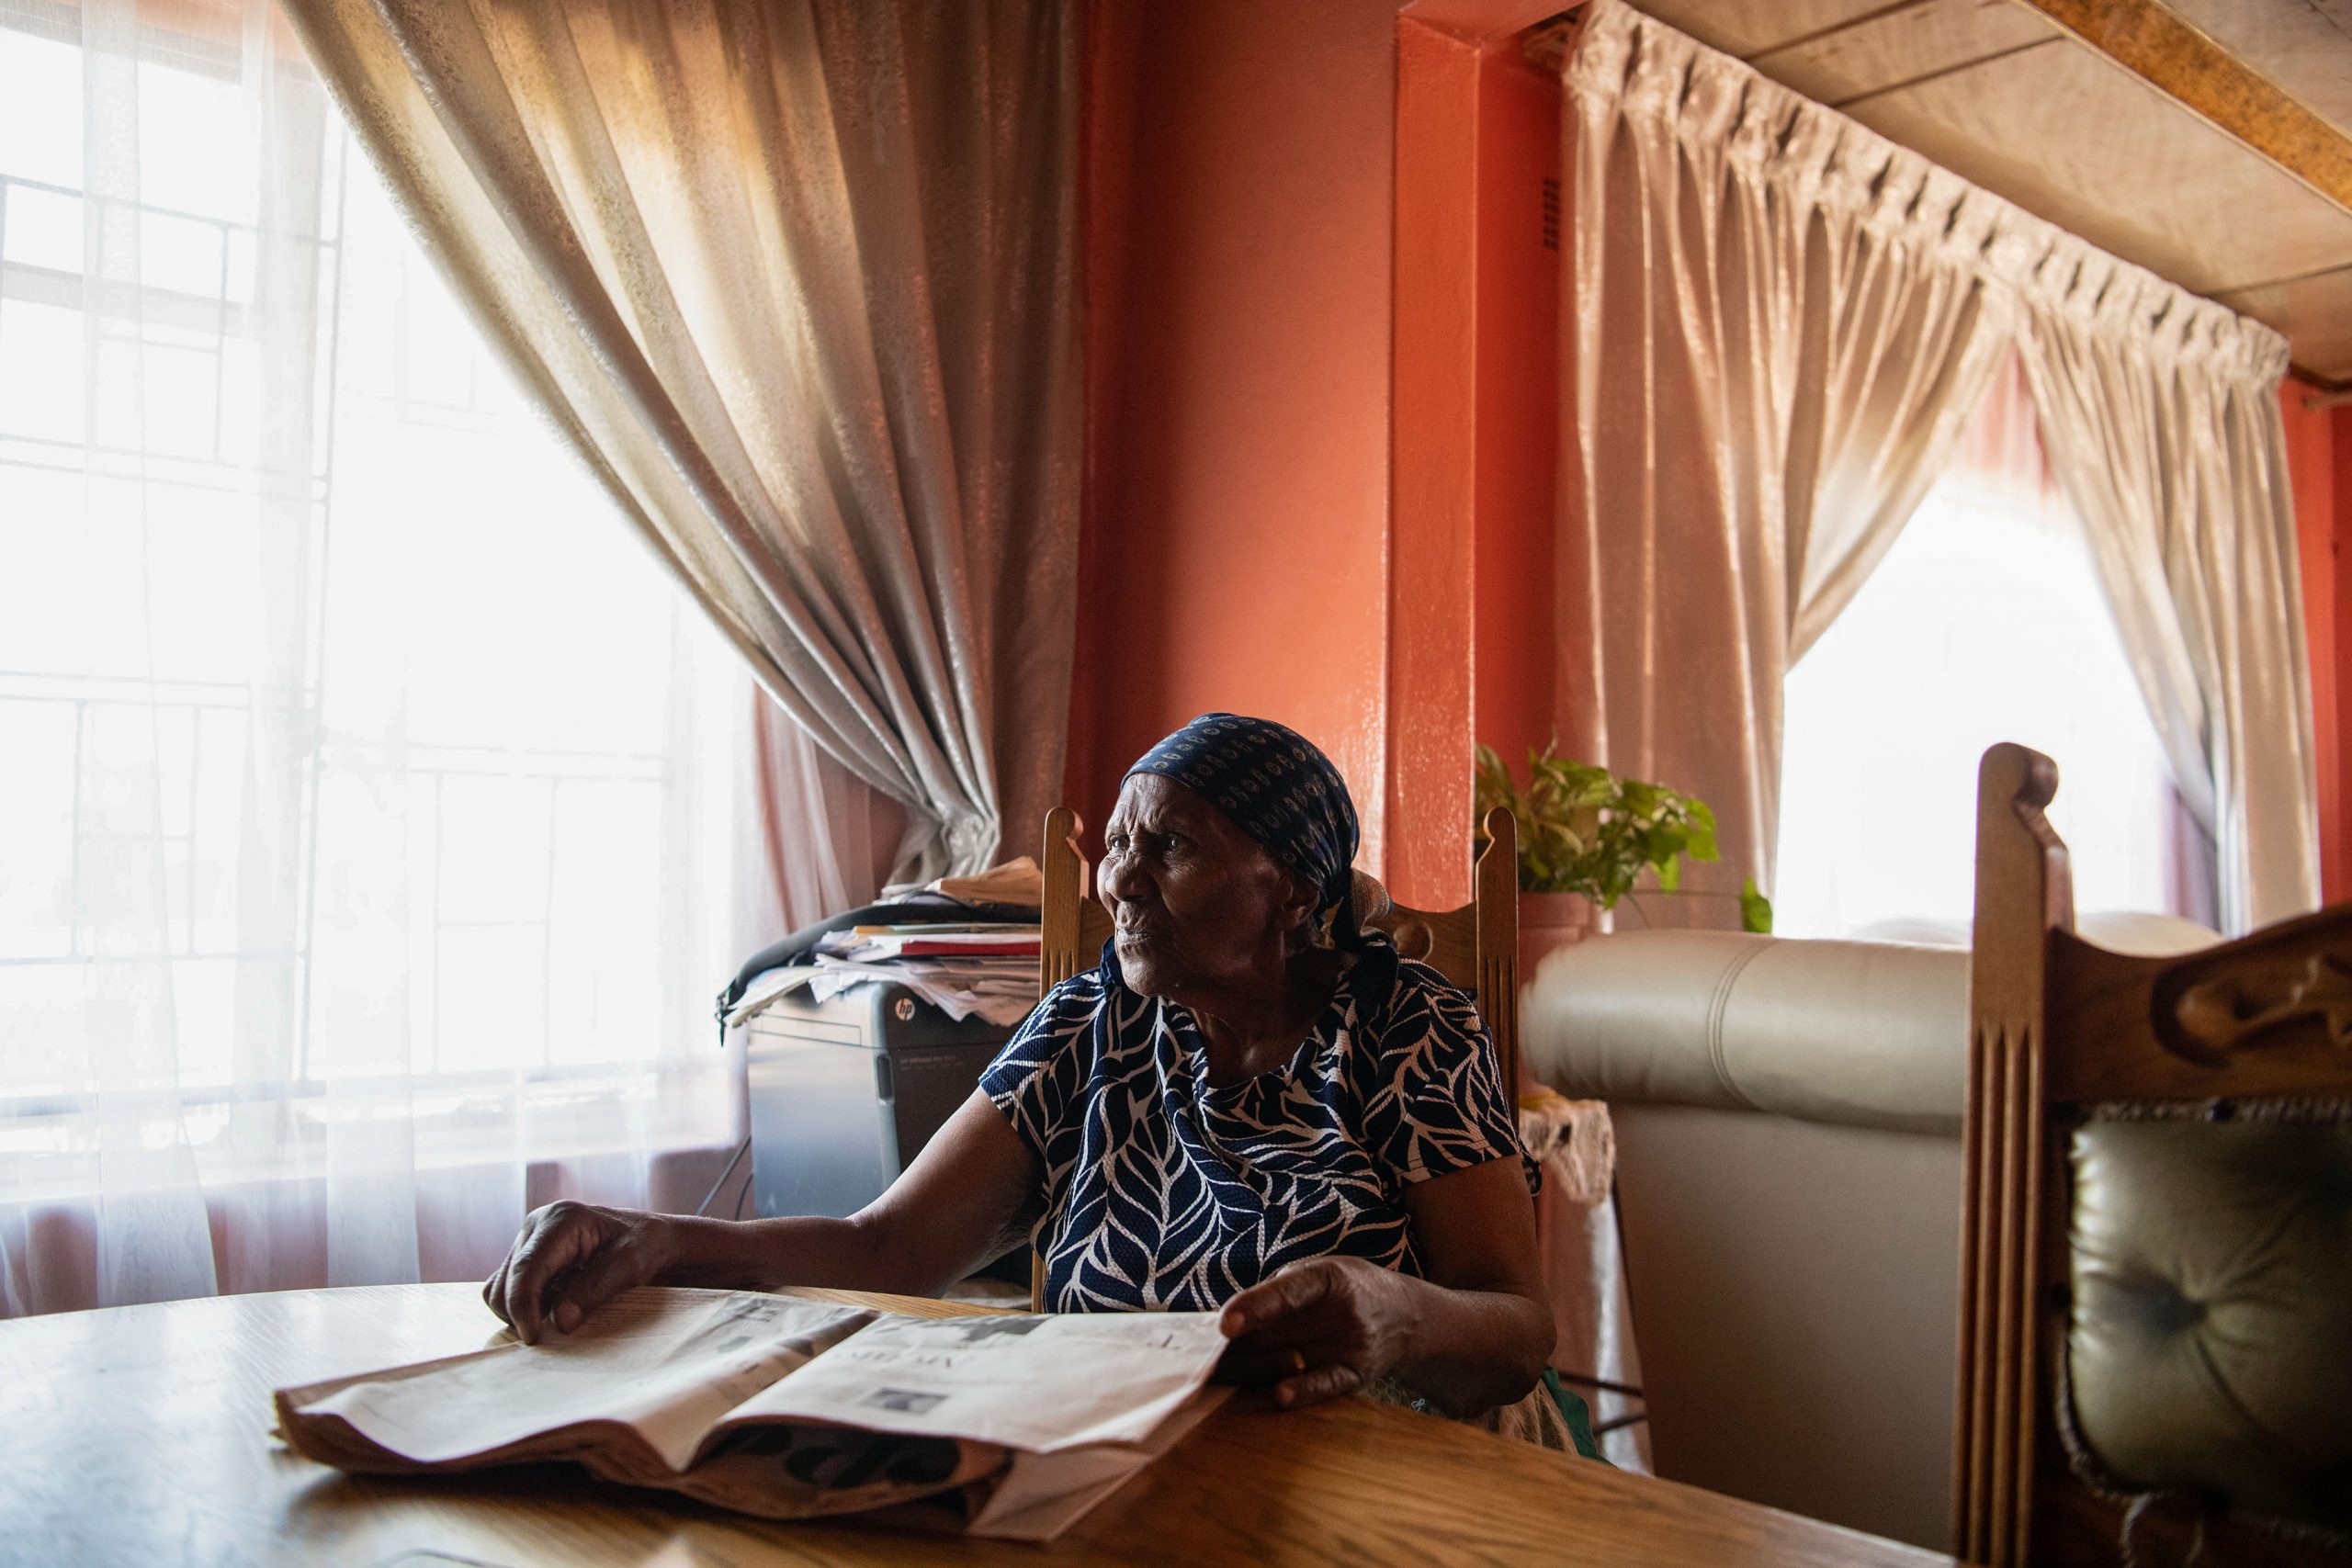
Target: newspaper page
{"x": 1041, "y": 1495}
{"x": 702, "y": 1392}
{"x": 1040, "y": 1383}
{"x": 796, "y": 1473}
{"x": 666, "y": 1363}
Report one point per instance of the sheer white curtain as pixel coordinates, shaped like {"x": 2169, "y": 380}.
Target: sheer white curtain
{"x": 826, "y": 839}
{"x": 1986, "y": 621}
{"x": 364, "y": 819}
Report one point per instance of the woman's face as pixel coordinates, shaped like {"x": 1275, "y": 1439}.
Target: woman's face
{"x": 1201, "y": 908}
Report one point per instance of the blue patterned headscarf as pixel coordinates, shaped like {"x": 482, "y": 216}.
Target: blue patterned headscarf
{"x": 1279, "y": 788}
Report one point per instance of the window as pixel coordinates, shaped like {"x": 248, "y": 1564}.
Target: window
{"x": 357, "y": 762}
{"x": 1985, "y": 622}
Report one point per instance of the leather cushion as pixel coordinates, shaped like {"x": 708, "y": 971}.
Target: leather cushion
{"x": 1857, "y": 1033}
{"x": 2210, "y": 1344}
{"x": 1870, "y": 1034}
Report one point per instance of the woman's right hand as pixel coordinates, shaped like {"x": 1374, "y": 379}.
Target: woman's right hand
{"x": 572, "y": 1257}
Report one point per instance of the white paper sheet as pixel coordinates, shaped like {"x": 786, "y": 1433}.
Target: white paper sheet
{"x": 668, "y": 1363}
{"x": 1041, "y": 1384}
{"x": 1043, "y": 1495}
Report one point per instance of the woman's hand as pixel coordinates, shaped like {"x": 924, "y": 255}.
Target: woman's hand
{"x": 966, "y": 1198}
{"x": 1471, "y": 1334}
{"x": 1319, "y": 1329}
{"x": 572, "y": 1257}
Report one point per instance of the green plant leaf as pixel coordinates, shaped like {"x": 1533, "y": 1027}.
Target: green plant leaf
{"x": 1755, "y": 909}
{"x": 1583, "y": 830}
{"x": 1703, "y": 831}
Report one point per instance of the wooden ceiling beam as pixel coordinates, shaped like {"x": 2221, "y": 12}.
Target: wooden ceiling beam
{"x": 2155, "y": 44}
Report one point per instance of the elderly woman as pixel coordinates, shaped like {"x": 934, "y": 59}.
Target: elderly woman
{"x": 1251, "y": 1106}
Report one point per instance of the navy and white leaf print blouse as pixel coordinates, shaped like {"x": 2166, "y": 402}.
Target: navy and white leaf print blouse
{"x": 1163, "y": 1192}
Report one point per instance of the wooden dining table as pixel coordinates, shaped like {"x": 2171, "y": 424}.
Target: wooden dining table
{"x": 143, "y": 1434}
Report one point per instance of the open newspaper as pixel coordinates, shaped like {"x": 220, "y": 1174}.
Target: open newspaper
{"x": 790, "y": 1408}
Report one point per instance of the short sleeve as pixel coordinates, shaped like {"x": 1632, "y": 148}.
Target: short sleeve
{"x": 1437, "y": 1104}
{"x": 1036, "y": 1080}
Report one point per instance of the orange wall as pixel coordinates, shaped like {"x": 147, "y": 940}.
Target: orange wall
{"x": 1238, "y": 206}
{"x": 2310, "y": 468}
{"x": 1471, "y": 650}
{"x": 2336, "y": 833}
{"x": 1320, "y": 366}
{"x": 2319, "y": 465}
{"x": 1519, "y": 382}
{"x": 1433, "y": 467}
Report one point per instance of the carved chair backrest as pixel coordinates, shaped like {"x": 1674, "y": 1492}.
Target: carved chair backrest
{"x": 2156, "y": 1292}
{"x": 1475, "y": 945}
{"x": 1074, "y": 925}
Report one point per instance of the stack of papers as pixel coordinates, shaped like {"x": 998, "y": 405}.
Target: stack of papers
{"x": 985, "y": 969}
{"x": 1017, "y": 881}
{"x": 870, "y": 943}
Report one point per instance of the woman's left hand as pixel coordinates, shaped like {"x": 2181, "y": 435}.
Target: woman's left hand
{"x": 1319, "y": 1329}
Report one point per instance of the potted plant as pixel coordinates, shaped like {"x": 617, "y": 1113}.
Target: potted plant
{"x": 1585, "y": 836}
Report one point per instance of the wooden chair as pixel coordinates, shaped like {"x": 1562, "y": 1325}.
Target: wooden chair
{"x": 1475, "y": 946}
{"x": 1074, "y": 924}
{"x": 2155, "y": 1344}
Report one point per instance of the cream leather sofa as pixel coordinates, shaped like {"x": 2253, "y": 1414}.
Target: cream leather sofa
{"x": 1787, "y": 1118}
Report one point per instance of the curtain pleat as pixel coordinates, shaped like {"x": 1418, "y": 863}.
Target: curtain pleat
{"x": 2160, "y": 412}
{"x": 1776, "y": 346}
{"x": 795, "y": 280}
{"x": 1782, "y": 324}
